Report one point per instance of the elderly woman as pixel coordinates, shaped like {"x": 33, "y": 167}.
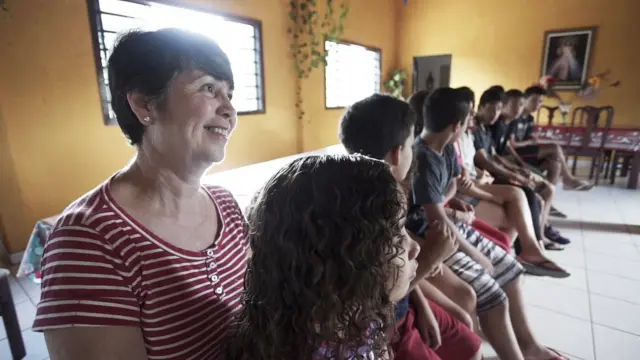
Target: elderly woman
{"x": 150, "y": 264}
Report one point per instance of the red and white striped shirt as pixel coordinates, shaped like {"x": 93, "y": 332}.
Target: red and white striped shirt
{"x": 102, "y": 268}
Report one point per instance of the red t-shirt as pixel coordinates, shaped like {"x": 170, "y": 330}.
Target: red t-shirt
{"x": 102, "y": 268}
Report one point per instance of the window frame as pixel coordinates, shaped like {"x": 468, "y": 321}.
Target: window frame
{"x": 346, "y": 42}
{"x": 95, "y": 23}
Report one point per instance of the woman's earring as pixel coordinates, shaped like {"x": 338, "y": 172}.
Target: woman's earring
{"x": 146, "y": 120}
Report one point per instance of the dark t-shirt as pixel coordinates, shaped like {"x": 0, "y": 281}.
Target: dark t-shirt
{"x": 482, "y": 140}
{"x": 522, "y": 129}
{"x": 433, "y": 175}
{"x": 500, "y": 136}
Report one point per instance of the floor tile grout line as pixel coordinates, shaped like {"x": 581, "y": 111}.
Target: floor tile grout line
{"x": 593, "y": 333}
{"x": 616, "y": 329}
{"x": 557, "y": 312}
{"x": 614, "y": 298}
{"x": 612, "y": 274}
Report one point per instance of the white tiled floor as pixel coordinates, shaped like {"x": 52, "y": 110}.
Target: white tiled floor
{"x": 594, "y": 314}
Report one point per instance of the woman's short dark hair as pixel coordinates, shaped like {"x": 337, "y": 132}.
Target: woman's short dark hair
{"x": 443, "y": 108}
{"x": 147, "y": 62}
{"x": 322, "y": 232}
{"x": 376, "y": 125}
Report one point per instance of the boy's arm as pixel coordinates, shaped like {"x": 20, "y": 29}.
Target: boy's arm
{"x": 437, "y": 212}
{"x": 482, "y": 160}
{"x": 436, "y": 245}
{"x": 477, "y": 193}
{"x": 451, "y": 191}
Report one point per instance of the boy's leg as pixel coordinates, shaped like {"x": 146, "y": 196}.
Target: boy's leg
{"x": 407, "y": 344}
{"x": 458, "y": 341}
{"x": 554, "y": 153}
{"x": 530, "y": 347}
{"x": 456, "y": 296}
{"x": 519, "y": 210}
{"x": 492, "y": 305}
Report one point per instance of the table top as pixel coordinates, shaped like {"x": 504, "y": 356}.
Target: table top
{"x": 621, "y": 139}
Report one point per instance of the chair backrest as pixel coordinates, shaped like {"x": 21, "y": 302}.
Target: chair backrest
{"x": 550, "y": 113}
{"x": 589, "y": 119}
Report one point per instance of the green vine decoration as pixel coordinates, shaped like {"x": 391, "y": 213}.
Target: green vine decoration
{"x": 312, "y": 24}
{"x": 5, "y": 9}
{"x": 396, "y": 84}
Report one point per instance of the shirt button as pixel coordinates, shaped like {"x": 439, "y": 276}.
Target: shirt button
{"x": 210, "y": 252}
{"x": 219, "y": 290}
{"x": 214, "y": 278}
{"x": 212, "y": 265}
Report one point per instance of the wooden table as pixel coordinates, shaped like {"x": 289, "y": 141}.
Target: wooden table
{"x": 618, "y": 139}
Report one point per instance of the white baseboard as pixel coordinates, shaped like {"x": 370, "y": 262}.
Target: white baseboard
{"x": 16, "y": 257}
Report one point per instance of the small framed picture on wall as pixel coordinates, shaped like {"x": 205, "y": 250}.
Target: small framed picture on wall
{"x": 566, "y": 56}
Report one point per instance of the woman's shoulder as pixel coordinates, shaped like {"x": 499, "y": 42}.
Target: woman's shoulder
{"x": 84, "y": 211}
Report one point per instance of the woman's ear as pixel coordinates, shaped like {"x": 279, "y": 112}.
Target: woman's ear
{"x": 141, "y": 106}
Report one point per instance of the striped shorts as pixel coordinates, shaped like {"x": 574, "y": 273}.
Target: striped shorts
{"x": 488, "y": 288}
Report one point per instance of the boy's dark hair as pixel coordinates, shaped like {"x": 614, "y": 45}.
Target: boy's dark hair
{"x": 443, "y": 108}
{"x": 512, "y": 94}
{"x": 498, "y": 88}
{"x": 467, "y": 95}
{"x": 376, "y": 125}
{"x": 147, "y": 62}
{"x": 416, "y": 101}
{"x": 319, "y": 269}
{"x": 535, "y": 90}
{"x": 491, "y": 95}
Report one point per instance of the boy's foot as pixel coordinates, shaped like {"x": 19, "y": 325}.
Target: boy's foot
{"x": 554, "y": 235}
{"x": 557, "y": 213}
{"x": 578, "y": 186}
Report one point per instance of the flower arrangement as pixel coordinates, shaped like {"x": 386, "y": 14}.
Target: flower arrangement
{"x": 395, "y": 85}
{"x": 589, "y": 91}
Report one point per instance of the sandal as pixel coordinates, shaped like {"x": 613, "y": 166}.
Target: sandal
{"x": 542, "y": 269}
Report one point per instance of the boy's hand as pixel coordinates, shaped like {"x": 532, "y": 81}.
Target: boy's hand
{"x": 427, "y": 324}
{"x": 525, "y": 172}
{"x": 466, "y": 217}
{"x": 486, "y": 178}
{"x": 484, "y": 262}
{"x": 442, "y": 240}
{"x": 465, "y": 182}
{"x": 458, "y": 204}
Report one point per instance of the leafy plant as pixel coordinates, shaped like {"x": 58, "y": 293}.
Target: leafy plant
{"x": 5, "y": 9}
{"x": 311, "y": 24}
{"x": 395, "y": 85}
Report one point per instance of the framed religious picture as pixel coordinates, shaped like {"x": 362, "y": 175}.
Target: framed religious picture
{"x": 566, "y": 56}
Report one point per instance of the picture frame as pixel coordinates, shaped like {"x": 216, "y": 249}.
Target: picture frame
{"x": 566, "y": 56}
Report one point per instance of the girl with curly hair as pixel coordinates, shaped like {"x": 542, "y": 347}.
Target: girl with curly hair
{"x": 330, "y": 257}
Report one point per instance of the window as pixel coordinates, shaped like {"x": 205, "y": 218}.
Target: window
{"x": 352, "y": 73}
{"x": 239, "y": 38}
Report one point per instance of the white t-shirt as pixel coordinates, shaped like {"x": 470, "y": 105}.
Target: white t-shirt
{"x": 468, "y": 152}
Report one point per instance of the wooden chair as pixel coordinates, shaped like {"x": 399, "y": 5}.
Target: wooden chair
{"x": 590, "y": 118}
{"x": 551, "y": 110}
{"x": 10, "y": 317}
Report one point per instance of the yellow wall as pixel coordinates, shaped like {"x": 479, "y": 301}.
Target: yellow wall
{"x": 53, "y": 145}
{"x": 500, "y": 41}
{"x": 370, "y": 23}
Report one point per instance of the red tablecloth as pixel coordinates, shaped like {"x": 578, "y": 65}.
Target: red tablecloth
{"x": 617, "y": 139}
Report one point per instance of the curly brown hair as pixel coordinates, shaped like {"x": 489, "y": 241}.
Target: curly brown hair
{"x": 323, "y": 232}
